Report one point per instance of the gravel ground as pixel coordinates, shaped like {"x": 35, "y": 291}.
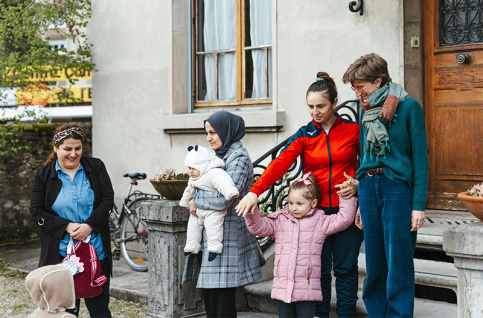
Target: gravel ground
{"x": 15, "y": 301}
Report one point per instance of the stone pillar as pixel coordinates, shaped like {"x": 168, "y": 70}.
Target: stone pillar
{"x": 465, "y": 244}
{"x": 167, "y": 222}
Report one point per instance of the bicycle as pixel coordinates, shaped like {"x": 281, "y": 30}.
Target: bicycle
{"x": 128, "y": 231}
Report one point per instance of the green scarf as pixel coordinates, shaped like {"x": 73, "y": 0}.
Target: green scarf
{"x": 377, "y": 119}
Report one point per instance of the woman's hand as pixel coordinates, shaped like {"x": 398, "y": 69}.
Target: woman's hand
{"x": 192, "y": 207}
{"x": 358, "y": 221}
{"x": 417, "y": 220}
{"x": 248, "y": 203}
{"x": 72, "y": 227}
{"x": 82, "y": 232}
{"x": 348, "y": 188}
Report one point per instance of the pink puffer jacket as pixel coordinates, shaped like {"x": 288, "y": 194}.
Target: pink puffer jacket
{"x": 298, "y": 246}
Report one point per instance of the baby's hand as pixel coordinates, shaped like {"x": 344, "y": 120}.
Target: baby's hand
{"x": 233, "y": 197}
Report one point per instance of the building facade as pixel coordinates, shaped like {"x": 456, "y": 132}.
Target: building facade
{"x": 166, "y": 64}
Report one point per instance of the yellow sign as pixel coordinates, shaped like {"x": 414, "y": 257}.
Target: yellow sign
{"x": 57, "y": 95}
{"x": 64, "y": 74}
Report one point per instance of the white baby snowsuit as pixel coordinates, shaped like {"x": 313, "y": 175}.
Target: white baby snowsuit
{"x": 212, "y": 177}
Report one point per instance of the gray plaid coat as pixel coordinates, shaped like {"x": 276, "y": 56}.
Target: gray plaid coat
{"x": 238, "y": 264}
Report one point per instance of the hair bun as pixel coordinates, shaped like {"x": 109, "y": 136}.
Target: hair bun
{"x": 323, "y": 75}
{"x": 326, "y": 77}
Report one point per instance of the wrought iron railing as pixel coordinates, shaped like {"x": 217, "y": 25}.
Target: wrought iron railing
{"x": 275, "y": 198}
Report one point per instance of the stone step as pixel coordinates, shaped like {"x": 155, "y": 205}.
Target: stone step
{"x": 258, "y": 297}
{"x": 430, "y": 235}
{"x": 428, "y": 273}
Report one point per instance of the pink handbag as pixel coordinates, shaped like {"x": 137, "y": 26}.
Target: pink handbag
{"x": 88, "y": 280}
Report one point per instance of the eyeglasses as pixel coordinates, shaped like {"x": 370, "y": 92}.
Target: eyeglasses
{"x": 360, "y": 88}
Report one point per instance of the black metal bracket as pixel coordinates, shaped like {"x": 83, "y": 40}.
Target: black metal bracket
{"x": 355, "y": 6}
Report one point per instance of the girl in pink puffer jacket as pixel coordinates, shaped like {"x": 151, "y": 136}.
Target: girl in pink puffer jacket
{"x": 300, "y": 230}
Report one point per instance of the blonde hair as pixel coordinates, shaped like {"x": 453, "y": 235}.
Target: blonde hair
{"x": 368, "y": 68}
{"x": 309, "y": 191}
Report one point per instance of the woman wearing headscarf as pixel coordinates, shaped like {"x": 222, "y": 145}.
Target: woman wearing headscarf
{"x": 393, "y": 185}
{"x": 239, "y": 262}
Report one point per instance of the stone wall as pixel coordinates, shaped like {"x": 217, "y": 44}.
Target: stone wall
{"x": 25, "y": 151}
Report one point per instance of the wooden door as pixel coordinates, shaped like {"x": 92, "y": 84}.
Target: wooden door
{"x": 453, "y": 97}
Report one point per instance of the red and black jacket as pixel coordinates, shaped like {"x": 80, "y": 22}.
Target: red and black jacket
{"x": 327, "y": 156}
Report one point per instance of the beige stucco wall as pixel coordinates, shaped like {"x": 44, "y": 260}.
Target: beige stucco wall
{"x": 140, "y": 89}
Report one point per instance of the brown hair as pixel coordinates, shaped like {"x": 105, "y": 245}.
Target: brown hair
{"x": 310, "y": 191}
{"x": 324, "y": 83}
{"x": 368, "y": 68}
{"x": 71, "y": 135}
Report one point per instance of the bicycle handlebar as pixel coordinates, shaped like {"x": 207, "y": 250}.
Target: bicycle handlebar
{"x": 135, "y": 176}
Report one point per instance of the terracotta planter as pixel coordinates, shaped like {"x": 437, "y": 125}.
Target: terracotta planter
{"x": 474, "y": 204}
{"x": 170, "y": 189}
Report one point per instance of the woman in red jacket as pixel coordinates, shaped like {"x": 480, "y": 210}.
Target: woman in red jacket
{"x": 328, "y": 146}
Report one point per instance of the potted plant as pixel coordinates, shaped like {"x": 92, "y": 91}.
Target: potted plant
{"x": 473, "y": 199}
{"x": 169, "y": 184}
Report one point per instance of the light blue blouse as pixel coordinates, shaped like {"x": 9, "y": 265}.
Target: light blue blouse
{"x": 75, "y": 202}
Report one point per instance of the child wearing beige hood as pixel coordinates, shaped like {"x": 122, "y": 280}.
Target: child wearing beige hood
{"x": 52, "y": 289}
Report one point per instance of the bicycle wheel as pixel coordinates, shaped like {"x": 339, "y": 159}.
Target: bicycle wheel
{"x": 134, "y": 239}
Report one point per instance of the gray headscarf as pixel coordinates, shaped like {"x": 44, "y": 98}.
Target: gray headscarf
{"x": 229, "y": 127}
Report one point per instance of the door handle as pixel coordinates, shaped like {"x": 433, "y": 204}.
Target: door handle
{"x": 462, "y": 58}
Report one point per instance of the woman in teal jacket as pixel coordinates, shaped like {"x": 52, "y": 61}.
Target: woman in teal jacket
{"x": 393, "y": 184}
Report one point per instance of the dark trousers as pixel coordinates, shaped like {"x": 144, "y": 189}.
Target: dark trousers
{"x": 219, "y": 302}
{"x": 98, "y": 306}
{"x": 341, "y": 252}
{"x": 298, "y": 309}
{"x": 386, "y": 208}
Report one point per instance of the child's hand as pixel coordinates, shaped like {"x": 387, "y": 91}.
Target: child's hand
{"x": 233, "y": 198}
{"x": 348, "y": 188}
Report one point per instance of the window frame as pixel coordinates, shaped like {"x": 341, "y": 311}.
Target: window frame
{"x": 240, "y": 52}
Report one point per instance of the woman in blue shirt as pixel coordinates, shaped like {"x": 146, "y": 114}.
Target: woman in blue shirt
{"x": 71, "y": 197}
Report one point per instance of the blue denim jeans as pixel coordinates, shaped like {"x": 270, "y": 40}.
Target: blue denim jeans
{"x": 386, "y": 208}
{"x": 340, "y": 251}
{"x": 299, "y": 309}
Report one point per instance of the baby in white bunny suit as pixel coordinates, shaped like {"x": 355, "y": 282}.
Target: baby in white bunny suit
{"x": 206, "y": 173}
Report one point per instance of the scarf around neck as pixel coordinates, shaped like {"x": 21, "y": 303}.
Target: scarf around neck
{"x": 379, "y": 115}
{"x": 229, "y": 127}
{"x": 389, "y": 96}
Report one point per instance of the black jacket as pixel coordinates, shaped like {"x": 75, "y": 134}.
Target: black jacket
{"x": 51, "y": 226}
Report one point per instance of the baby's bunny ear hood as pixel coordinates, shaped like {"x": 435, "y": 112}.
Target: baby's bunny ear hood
{"x": 52, "y": 289}
{"x": 198, "y": 158}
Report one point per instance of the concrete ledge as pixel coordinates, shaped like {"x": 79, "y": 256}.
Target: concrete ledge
{"x": 259, "y": 289}
{"x": 430, "y": 235}
{"x": 128, "y": 294}
{"x": 258, "y": 295}
{"x": 429, "y": 273}
{"x": 255, "y": 121}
